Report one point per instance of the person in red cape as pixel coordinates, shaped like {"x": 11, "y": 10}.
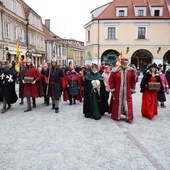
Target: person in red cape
{"x": 30, "y": 88}
{"x": 73, "y": 85}
{"x": 122, "y": 82}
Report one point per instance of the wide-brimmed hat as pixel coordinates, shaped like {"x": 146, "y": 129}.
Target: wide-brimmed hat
{"x": 153, "y": 65}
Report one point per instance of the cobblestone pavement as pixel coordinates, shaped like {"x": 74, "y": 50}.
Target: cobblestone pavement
{"x": 44, "y": 140}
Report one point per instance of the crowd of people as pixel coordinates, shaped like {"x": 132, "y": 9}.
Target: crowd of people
{"x": 102, "y": 89}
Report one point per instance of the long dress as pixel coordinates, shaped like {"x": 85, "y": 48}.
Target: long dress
{"x": 122, "y": 82}
{"x": 149, "y": 107}
{"x": 95, "y": 101}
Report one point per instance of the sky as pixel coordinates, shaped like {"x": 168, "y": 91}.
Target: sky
{"x": 67, "y": 17}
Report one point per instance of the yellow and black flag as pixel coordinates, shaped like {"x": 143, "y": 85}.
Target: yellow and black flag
{"x": 18, "y": 57}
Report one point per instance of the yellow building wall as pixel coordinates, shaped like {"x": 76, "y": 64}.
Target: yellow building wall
{"x": 157, "y": 35}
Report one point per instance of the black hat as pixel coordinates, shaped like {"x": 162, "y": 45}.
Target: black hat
{"x": 159, "y": 65}
{"x": 154, "y": 65}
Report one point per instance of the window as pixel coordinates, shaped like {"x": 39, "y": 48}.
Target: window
{"x": 6, "y": 30}
{"x": 15, "y": 33}
{"x": 140, "y": 12}
{"x": 21, "y": 36}
{"x": 141, "y": 32}
{"x": 121, "y": 13}
{"x": 111, "y": 33}
{"x": 38, "y": 42}
{"x": 156, "y": 13}
{"x": 88, "y": 35}
{"x": 13, "y": 5}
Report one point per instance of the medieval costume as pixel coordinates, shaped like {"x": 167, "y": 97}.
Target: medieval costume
{"x": 54, "y": 89}
{"x": 44, "y": 80}
{"x": 149, "y": 97}
{"x": 95, "y": 99}
{"x": 30, "y": 79}
{"x": 161, "y": 97}
{"x": 7, "y": 83}
{"x": 73, "y": 84}
{"x": 122, "y": 83}
{"x": 106, "y": 75}
{"x": 21, "y": 85}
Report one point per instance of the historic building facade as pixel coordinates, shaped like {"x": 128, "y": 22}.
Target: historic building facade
{"x": 12, "y": 28}
{"x": 18, "y": 22}
{"x": 65, "y": 51}
{"x": 137, "y": 29}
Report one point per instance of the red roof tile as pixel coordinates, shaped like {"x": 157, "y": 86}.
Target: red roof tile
{"x": 155, "y": 3}
{"x": 110, "y": 12}
{"x": 139, "y": 3}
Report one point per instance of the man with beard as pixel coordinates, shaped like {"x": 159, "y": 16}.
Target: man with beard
{"x": 30, "y": 79}
{"x": 54, "y": 89}
{"x": 95, "y": 97}
{"x": 122, "y": 82}
{"x": 7, "y": 84}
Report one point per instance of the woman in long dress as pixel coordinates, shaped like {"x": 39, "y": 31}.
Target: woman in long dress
{"x": 149, "y": 107}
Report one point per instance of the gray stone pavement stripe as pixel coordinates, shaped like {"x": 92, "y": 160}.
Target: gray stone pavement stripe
{"x": 145, "y": 152}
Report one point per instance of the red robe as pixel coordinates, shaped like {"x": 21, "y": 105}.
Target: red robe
{"x": 122, "y": 83}
{"x": 149, "y": 101}
{"x": 33, "y": 88}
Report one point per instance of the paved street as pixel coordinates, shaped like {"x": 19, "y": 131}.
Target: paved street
{"x": 44, "y": 140}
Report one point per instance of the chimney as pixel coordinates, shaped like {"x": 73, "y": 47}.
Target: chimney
{"x": 47, "y": 23}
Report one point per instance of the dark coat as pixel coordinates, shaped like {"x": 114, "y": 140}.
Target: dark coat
{"x": 145, "y": 80}
{"x": 7, "y": 83}
{"x": 167, "y": 74}
{"x": 21, "y": 85}
{"x": 54, "y": 88}
{"x": 94, "y": 104}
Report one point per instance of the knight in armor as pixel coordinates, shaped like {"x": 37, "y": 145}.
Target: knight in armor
{"x": 7, "y": 86}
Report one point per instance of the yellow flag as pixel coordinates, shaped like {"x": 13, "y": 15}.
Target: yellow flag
{"x": 119, "y": 59}
{"x": 18, "y": 58}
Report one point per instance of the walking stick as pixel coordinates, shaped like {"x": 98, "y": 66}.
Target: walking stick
{"x": 48, "y": 81}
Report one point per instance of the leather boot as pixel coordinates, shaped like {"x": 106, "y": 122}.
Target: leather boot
{"x": 28, "y": 108}
{"x": 3, "y": 109}
{"x": 57, "y": 110}
{"x": 33, "y": 102}
{"x": 53, "y": 106}
{"x": 47, "y": 101}
{"x": 9, "y": 106}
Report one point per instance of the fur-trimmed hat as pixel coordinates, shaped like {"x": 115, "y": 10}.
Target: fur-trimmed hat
{"x": 124, "y": 60}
